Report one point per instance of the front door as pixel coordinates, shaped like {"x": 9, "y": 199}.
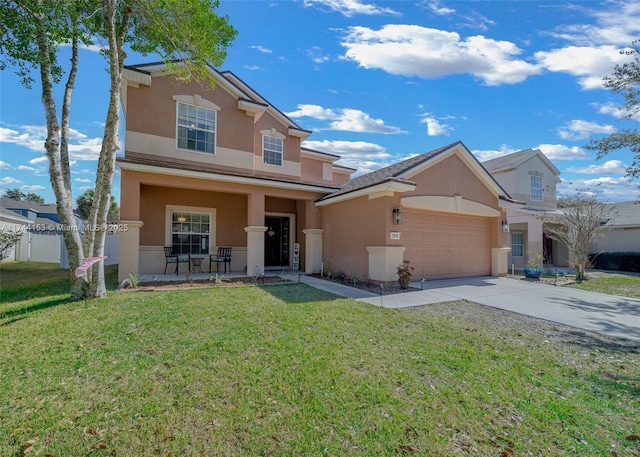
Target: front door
{"x": 276, "y": 243}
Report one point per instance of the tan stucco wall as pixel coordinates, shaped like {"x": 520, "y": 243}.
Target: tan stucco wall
{"x": 351, "y": 226}
{"x": 517, "y": 183}
{"x": 618, "y": 240}
{"x": 452, "y": 177}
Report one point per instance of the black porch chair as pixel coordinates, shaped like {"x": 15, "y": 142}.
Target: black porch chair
{"x": 171, "y": 256}
{"x": 223, "y": 256}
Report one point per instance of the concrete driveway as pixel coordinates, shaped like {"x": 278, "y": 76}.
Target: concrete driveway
{"x": 606, "y": 314}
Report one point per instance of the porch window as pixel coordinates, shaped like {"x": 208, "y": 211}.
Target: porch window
{"x": 196, "y": 128}
{"x": 536, "y": 188}
{"x": 190, "y": 232}
{"x": 517, "y": 244}
{"x": 272, "y": 150}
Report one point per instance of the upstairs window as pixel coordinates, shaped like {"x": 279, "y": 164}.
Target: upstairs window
{"x": 196, "y": 128}
{"x": 536, "y": 188}
{"x": 272, "y": 150}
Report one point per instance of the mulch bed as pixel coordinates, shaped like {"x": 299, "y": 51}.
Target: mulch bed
{"x": 373, "y": 287}
{"x": 203, "y": 283}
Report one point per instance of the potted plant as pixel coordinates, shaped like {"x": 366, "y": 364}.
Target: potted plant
{"x": 534, "y": 269}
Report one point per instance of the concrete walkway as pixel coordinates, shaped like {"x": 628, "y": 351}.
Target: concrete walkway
{"x": 606, "y": 314}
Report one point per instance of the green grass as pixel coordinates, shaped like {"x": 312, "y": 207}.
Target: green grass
{"x": 626, "y": 285}
{"x": 290, "y": 370}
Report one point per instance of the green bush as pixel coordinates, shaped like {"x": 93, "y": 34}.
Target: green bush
{"x": 619, "y": 261}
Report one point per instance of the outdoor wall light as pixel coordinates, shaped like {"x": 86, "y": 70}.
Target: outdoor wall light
{"x": 397, "y": 216}
{"x": 505, "y": 226}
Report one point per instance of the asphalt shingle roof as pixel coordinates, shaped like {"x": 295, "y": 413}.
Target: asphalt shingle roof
{"x": 389, "y": 173}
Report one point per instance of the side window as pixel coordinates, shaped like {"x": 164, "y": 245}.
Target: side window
{"x": 536, "y": 188}
{"x": 196, "y": 128}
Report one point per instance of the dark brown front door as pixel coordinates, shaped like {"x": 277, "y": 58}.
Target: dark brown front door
{"x": 276, "y": 243}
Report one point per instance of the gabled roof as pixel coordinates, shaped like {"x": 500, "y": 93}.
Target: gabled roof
{"x": 247, "y": 97}
{"x": 8, "y": 215}
{"x": 399, "y": 174}
{"x": 9, "y": 203}
{"x": 514, "y": 160}
{"x": 625, "y": 214}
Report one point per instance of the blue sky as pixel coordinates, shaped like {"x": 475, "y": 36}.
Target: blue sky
{"x": 378, "y": 82}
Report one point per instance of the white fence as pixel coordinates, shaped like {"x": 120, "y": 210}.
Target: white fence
{"x": 35, "y": 247}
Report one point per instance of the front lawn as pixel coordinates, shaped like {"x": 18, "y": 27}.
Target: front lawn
{"x": 290, "y": 370}
{"x": 626, "y": 285}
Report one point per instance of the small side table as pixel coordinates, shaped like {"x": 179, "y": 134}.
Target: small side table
{"x": 196, "y": 265}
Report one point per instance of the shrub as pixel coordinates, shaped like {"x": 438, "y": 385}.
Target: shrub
{"x": 619, "y": 261}
{"x": 404, "y": 274}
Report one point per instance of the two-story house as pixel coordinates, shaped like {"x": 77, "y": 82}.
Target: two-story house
{"x": 205, "y": 168}
{"x": 530, "y": 177}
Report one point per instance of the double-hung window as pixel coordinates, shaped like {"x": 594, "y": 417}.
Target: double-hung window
{"x": 190, "y": 232}
{"x": 517, "y": 244}
{"x": 536, "y": 188}
{"x": 196, "y": 128}
{"x": 272, "y": 150}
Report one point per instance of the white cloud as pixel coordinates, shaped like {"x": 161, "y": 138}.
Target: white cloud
{"x": 412, "y": 50}
{"x": 262, "y": 49}
{"x": 589, "y": 64}
{"x": 488, "y": 154}
{"x": 436, "y": 8}
{"x": 25, "y": 168}
{"x": 40, "y": 159}
{"x": 610, "y": 167}
{"x": 619, "y": 112}
{"x": 581, "y": 130}
{"x": 4, "y": 165}
{"x": 435, "y": 127}
{"x": 253, "y": 67}
{"x": 317, "y": 55}
{"x": 562, "y": 152}
{"x": 344, "y": 119}
{"x": 615, "y": 25}
{"x": 8, "y": 180}
{"x": 350, "y": 8}
{"x": 362, "y": 156}
{"x": 82, "y": 180}
{"x": 613, "y": 189}
{"x": 32, "y": 188}
{"x": 81, "y": 147}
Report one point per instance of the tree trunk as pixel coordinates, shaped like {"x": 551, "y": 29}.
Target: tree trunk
{"x": 60, "y": 185}
{"x": 107, "y": 162}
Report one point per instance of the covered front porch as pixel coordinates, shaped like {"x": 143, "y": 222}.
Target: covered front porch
{"x": 268, "y": 226}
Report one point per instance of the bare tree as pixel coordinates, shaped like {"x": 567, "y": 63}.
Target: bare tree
{"x": 579, "y": 220}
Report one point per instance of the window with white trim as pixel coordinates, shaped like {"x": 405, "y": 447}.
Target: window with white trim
{"x": 190, "y": 232}
{"x": 196, "y": 128}
{"x": 536, "y": 188}
{"x": 272, "y": 150}
{"x": 517, "y": 244}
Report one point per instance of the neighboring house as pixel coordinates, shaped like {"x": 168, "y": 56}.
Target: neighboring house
{"x": 11, "y": 221}
{"x": 43, "y": 216}
{"x": 529, "y": 177}
{"x": 622, "y": 231}
{"x": 209, "y": 168}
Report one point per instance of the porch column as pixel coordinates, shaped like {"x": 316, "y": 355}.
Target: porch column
{"x": 255, "y": 233}
{"x": 384, "y": 262}
{"x": 534, "y": 238}
{"x": 313, "y": 253}
{"x": 129, "y": 255}
{"x": 255, "y": 249}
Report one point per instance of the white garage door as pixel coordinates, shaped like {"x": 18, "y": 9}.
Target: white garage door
{"x": 442, "y": 245}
